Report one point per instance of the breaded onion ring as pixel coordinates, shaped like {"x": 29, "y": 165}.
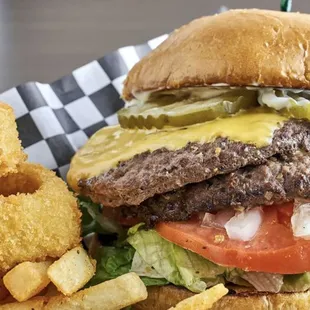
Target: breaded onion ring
{"x": 39, "y": 216}
{"x": 11, "y": 152}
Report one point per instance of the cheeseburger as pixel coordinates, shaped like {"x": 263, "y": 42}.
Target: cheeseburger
{"x": 209, "y": 168}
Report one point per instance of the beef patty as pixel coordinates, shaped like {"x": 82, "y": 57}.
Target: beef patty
{"x": 150, "y": 173}
{"x": 276, "y": 181}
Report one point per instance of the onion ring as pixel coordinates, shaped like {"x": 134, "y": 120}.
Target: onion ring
{"x": 11, "y": 152}
{"x": 39, "y": 216}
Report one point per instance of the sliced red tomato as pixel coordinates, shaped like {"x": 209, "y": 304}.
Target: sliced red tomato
{"x": 274, "y": 249}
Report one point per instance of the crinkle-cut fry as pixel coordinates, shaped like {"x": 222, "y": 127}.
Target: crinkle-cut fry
{"x": 27, "y": 279}
{"x": 36, "y": 303}
{"x": 41, "y": 221}
{"x": 72, "y": 271}
{"x": 11, "y": 152}
{"x": 115, "y": 294}
{"x": 204, "y": 300}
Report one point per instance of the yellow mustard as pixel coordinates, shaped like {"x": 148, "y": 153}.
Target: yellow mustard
{"x": 111, "y": 145}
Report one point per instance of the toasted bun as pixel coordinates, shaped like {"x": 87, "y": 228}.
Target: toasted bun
{"x": 164, "y": 297}
{"x": 237, "y": 47}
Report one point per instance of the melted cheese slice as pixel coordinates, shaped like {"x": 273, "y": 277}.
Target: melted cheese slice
{"x": 111, "y": 145}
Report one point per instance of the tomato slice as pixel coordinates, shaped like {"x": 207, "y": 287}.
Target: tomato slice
{"x": 274, "y": 249}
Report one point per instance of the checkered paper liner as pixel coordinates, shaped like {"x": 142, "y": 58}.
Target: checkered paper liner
{"x": 55, "y": 120}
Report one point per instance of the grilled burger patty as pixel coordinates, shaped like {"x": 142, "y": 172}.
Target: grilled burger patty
{"x": 162, "y": 171}
{"x": 277, "y": 181}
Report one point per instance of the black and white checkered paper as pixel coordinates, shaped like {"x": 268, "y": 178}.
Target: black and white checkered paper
{"x": 55, "y": 120}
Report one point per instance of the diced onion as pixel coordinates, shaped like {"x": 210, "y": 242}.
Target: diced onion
{"x": 217, "y": 220}
{"x": 300, "y": 220}
{"x": 244, "y": 226}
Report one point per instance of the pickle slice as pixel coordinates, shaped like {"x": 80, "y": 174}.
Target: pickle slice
{"x": 298, "y": 111}
{"x": 298, "y": 106}
{"x": 186, "y": 112}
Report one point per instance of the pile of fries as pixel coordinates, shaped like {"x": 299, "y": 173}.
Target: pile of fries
{"x": 52, "y": 285}
{"x": 56, "y": 285}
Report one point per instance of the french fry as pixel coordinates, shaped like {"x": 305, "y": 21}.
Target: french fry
{"x": 36, "y": 303}
{"x": 204, "y": 300}
{"x": 72, "y": 271}
{"x": 118, "y": 293}
{"x": 27, "y": 279}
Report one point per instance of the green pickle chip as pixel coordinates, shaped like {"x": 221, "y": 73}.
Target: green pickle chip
{"x": 185, "y": 112}
{"x": 298, "y": 111}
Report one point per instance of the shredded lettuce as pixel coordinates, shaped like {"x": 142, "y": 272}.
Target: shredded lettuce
{"x": 235, "y": 276}
{"x": 296, "y": 282}
{"x": 140, "y": 267}
{"x": 112, "y": 262}
{"x": 177, "y": 265}
{"x": 268, "y": 282}
{"x": 147, "y": 274}
{"x": 264, "y": 282}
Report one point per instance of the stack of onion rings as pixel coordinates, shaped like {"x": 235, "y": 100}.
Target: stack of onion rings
{"x": 39, "y": 216}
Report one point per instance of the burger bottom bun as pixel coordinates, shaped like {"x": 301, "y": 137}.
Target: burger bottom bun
{"x": 164, "y": 297}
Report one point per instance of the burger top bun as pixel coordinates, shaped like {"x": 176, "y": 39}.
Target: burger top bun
{"x": 238, "y": 47}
